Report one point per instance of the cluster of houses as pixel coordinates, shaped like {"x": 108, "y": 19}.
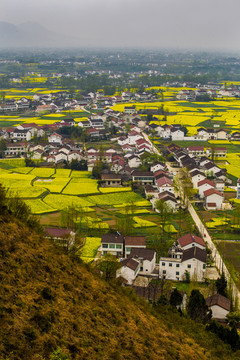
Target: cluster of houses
{"x": 205, "y": 175}
{"x": 187, "y": 255}
{"x": 175, "y": 132}
{"x": 63, "y": 100}
{"x": 215, "y": 91}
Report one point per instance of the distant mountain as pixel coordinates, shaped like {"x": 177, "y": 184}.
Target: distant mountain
{"x": 30, "y": 34}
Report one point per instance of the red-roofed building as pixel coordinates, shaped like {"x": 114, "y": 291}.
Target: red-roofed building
{"x": 164, "y": 184}
{"x": 189, "y": 240}
{"x": 213, "y": 197}
{"x": 204, "y": 185}
{"x": 195, "y": 151}
{"x": 64, "y": 237}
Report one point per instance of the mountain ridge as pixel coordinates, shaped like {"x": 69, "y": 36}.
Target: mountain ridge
{"x": 30, "y": 34}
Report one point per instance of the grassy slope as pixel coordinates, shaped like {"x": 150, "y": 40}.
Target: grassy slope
{"x": 48, "y": 301}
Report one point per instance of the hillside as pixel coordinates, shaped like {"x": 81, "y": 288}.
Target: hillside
{"x": 49, "y": 301}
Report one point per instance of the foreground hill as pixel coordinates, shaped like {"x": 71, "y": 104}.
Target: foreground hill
{"x": 51, "y": 305}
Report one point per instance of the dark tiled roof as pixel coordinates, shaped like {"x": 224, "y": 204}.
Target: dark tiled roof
{"x": 111, "y": 177}
{"x": 135, "y": 240}
{"x": 146, "y": 254}
{"x": 195, "y": 253}
{"x": 219, "y": 300}
{"x": 56, "y": 232}
{"x": 131, "y": 263}
{"x": 112, "y": 238}
{"x": 142, "y": 173}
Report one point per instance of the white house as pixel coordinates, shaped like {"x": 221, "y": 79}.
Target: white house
{"x": 167, "y": 197}
{"x": 177, "y": 135}
{"x": 220, "y": 306}
{"x": 74, "y": 155}
{"x": 61, "y": 156}
{"x": 24, "y": 134}
{"x": 213, "y": 199}
{"x": 165, "y": 132}
{"x": 134, "y": 161}
{"x": 222, "y": 134}
{"x": 158, "y": 166}
{"x": 165, "y": 184}
{"x": 129, "y": 270}
{"x": 134, "y": 242}
{"x": 192, "y": 260}
{"x": 196, "y": 177}
{"x": 133, "y": 136}
{"x": 204, "y": 185}
{"x": 146, "y": 258}
{"x": 55, "y": 138}
{"x": 189, "y": 241}
{"x": 113, "y": 244}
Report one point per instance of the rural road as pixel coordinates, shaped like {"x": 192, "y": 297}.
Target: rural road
{"x": 205, "y": 235}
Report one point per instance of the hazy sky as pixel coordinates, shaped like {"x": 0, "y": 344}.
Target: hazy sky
{"x": 210, "y": 24}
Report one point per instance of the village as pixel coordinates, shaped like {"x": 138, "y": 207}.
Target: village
{"x": 191, "y": 175}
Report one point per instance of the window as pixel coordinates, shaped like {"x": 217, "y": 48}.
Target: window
{"x": 128, "y": 249}
{"x": 170, "y": 264}
{"x": 163, "y": 264}
{"x": 177, "y": 272}
{"x": 177, "y": 265}
{"x": 118, "y": 246}
{"x": 204, "y": 266}
{"x": 141, "y": 268}
{"x": 104, "y": 246}
{"x": 164, "y": 272}
{"x": 189, "y": 266}
{"x": 112, "y": 246}
{"x": 193, "y": 244}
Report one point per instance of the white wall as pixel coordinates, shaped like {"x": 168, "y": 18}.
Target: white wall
{"x": 218, "y": 312}
{"x": 203, "y": 188}
{"x": 127, "y": 274}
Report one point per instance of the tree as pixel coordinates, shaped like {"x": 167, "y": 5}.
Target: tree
{"x": 3, "y": 147}
{"x": 233, "y": 318}
{"x": 108, "y": 266}
{"x": 78, "y": 165}
{"x": 165, "y": 213}
{"x": 175, "y": 298}
{"x": 221, "y": 285}
{"x": 197, "y": 308}
{"x": 99, "y": 166}
{"x": 187, "y": 277}
{"x": 125, "y": 222}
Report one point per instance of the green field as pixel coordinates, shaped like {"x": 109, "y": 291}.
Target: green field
{"x": 230, "y": 251}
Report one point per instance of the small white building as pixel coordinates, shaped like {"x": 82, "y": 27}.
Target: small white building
{"x": 129, "y": 270}
{"x": 220, "y": 306}
{"x": 146, "y": 258}
{"x": 204, "y": 185}
{"x": 134, "y": 242}
{"x": 158, "y": 166}
{"x": 55, "y": 138}
{"x": 113, "y": 244}
{"x": 177, "y": 135}
{"x": 213, "y": 199}
{"x": 134, "y": 161}
{"x": 196, "y": 177}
